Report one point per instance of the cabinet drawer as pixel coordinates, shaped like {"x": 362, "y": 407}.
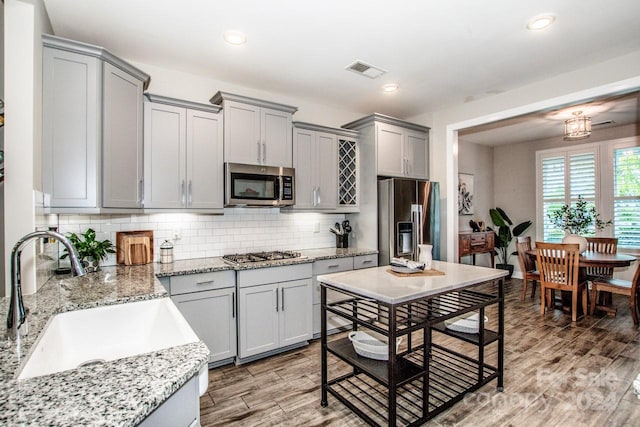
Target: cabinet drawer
{"x": 478, "y": 240}
{"x": 365, "y": 261}
{"x": 202, "y": 282}
{"x": 260, "y": 276}
{"x": 327, "y": 266}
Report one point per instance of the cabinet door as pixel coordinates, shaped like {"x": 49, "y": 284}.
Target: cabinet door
{"x": 70, "y": 133}
{"x": 165, "y": 154}
{"x": 276, "y": 137}
{"x": 121, "y": 139}
{"x": 258, "y": 319}
{"x": 204, "y": 160}
{"x": 305, "y": 165}
{"x": 390, "y": 150}
{"x": 326, "y": 162}
{"x": 242, "y": 141}
{"x": 211, "y": 315}
{"x": 416, "y": 153}
{"x": 296, "y": 316}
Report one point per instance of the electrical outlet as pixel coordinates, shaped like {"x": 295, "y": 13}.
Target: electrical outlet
{"x": 177, "y": 235}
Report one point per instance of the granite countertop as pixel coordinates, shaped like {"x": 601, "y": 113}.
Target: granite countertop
{"x": 121, "y": 392}
{"x": 383, "y": 286}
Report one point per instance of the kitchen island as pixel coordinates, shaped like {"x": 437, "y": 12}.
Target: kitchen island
{"x": 422, "y": 379}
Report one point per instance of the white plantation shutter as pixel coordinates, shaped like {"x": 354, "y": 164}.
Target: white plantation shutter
{"x": 553, "y": 194}
{"x": 626, "y": 196}
{"x": 565, "y": 175}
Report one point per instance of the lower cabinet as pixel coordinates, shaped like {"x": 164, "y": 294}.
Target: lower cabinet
{"x": 182, "y": 409}
{"x": 212, "y": 316}
{"x": 335, "y": 323}
{"x": 208, "y": 302}
{"x": 274, "y": 314}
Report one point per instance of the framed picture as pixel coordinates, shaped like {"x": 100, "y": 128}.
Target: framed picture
{"x": 465, "y": 194}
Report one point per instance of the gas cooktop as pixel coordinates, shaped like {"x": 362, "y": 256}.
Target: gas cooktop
{"x": 261, "y": 256}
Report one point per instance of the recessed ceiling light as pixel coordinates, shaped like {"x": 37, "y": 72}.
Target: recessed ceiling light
{"x": 235, "y": 37}
{"x": 390, "y": 87}
{"x": 540, "y": 22}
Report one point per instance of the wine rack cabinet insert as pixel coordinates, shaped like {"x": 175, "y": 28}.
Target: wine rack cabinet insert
{"x": 410, "y": 388}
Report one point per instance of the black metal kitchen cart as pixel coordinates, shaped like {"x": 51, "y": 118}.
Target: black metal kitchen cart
{"x": 425, "y": 379}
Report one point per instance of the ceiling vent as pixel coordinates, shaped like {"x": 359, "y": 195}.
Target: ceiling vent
{"x": 365, "y": 69}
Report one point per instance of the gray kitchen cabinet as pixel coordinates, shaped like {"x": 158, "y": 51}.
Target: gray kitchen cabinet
{"x": 208, "y": 302}
{"x": 315, "y": 158}
{"x": 92, "y": 128}
{"x": 335, "y": 323}
{"x": 121, "y": 139}
{"x": 401, "y": 148}
{"x": 183, "y": 155}
{"x": 273, "y": 310}
{"x": 71, "y": 128}
{"x": 256, "y": 132}
{"x": 181, "y": 409}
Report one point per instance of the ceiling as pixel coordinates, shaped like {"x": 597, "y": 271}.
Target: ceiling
{"x": 441, "y": 53}
{"x": 621, "y": 110}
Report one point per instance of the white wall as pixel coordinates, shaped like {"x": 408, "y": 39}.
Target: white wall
{"x": 607, "y": 77}
{"x": 25, "y": 21}
{"x": 2, "y": 257}
{"x": 177, "y": 84}
{"x": 477, "y": 160}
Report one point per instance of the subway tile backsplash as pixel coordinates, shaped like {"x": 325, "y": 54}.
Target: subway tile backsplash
{"x": 197, "y": 236}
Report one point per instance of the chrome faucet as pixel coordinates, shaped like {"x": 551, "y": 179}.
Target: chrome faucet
{"x": 17, "y": 316}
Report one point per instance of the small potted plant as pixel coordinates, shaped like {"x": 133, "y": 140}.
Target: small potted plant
{"x": 577, "y": 221}
{"x": 504, "y": 236}
{"x": 90, "y": 251}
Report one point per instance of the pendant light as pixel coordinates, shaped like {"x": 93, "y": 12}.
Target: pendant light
{"x": 577, "y": 127}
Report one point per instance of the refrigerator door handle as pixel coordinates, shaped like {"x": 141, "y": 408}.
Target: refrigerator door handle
{"x": 416, "y": 218}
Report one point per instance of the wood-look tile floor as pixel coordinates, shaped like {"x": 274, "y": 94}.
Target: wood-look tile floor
{"x": 556, "y": 372}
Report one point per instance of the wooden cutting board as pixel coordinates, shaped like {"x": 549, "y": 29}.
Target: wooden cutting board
{"x": 422, "y": 273}
{"x": 134, "y": 247}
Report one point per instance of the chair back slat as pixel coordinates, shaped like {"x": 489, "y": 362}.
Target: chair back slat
{"x": 605, "y": 245}
{"x": 523, "y": 244}
{"x": 558, "y": 265}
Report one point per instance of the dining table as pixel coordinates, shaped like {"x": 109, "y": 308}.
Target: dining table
{"x": 600, "y": 260}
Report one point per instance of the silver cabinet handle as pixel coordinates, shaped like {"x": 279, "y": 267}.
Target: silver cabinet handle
{"x": 141, "y": 192}
{"x": 333, "y": 266}
{"x": 190, "y": 192}
{"x": 264, "y": 152}
{"x": 277, "y": 300}
{"x": 258, "y": 151}
{"x": 182, "y": 195}
{"x": 205, "y": 282}
{"x": 318, "y": 201}
{"x": 315, "y": 196}
{"x": 367, "y": 261}
{"x": 233, "y": 304}
{"x": 282, "y": 290}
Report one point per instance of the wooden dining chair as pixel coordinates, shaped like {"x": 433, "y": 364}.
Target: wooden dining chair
{"x": 605, "y": 245}
{"x": 559, "y": 269}
{"x": 527, "y": 266}
{"x": 621, "y": 287}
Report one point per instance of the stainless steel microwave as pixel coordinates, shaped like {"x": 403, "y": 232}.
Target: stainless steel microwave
{"x": 254, "y": 185}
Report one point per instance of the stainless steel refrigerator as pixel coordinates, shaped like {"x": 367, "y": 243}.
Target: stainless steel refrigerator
{"x": 408, "y": 215}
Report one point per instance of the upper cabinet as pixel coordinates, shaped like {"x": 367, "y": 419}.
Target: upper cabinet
{"x": 183, "y": 166}
{"x": 401, "y": 148}
{"x": 92, "y": 128}
{"x": 325, "y": 160}
{"x": 256, "y": 132}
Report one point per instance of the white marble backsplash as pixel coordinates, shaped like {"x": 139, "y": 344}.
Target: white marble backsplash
{"x": 238, "y": 230}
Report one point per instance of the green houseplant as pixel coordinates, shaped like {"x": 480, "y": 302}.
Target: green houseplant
{"x": 577, "y": 220}
{"x": 90, "y": 251}
{"x": 504, "y": 235}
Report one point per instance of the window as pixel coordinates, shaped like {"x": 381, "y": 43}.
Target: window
{"x": 565, "y": 176}
{"x": 606, "y": 174}
{"x": 626, "y": 196}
